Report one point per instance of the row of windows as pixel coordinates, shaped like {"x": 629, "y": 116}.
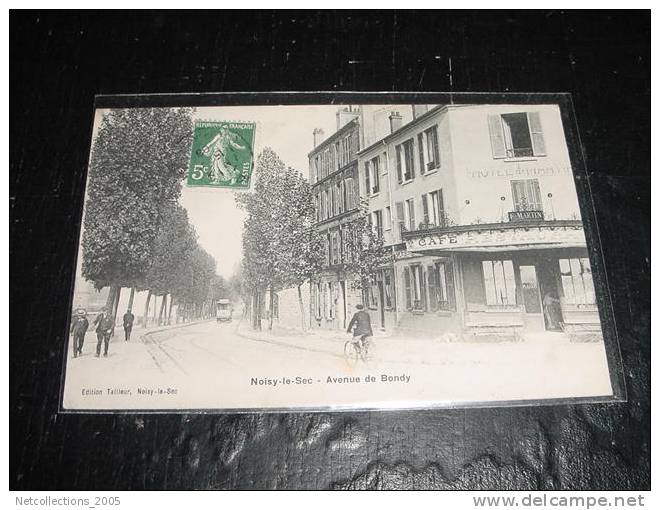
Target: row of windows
{"x": 325, "y": 297}
{"x": 501, "y": 287}
{"x": 433, "y": 212}
{"x": 336, "y": 198}
{"x": 340, "y": 246}
{"x": 418, "y": 154}
{"x": 385, "y": 278}
{"x": 335, "y": 156}
{"x": 512, "y": 135}
{"x": 423, "y": 158}
{"x": 526, "y": 195}
{"x": 429, "y": 288}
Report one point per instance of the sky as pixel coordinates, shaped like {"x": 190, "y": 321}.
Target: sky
{"x": 285, "y": 129}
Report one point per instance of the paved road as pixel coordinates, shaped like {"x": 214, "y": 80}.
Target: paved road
{"x": 211, "y": 365}
{"x": 210, "y": 346}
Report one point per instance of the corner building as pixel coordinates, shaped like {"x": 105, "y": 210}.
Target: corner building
{"x": 478, "y": 205}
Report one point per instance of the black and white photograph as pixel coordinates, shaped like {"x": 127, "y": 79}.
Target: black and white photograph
{"x": 329, "y": 249}
{"x": 332, "y": 256}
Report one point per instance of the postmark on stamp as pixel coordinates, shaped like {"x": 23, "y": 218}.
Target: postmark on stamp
{"x": 222, "y": 154}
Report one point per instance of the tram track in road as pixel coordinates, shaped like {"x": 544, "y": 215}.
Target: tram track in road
{"x": 154, "y": 347}
{"x": 157, "y": 351}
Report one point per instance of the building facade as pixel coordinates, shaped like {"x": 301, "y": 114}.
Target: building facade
{"x": 479, "y": 208}
{"x": 333, "y": 176}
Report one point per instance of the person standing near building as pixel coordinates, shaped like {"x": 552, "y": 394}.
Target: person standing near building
{"x": 79, "y": 326}
{"x": 128, "y": 324}
{"x": 552, "y": 311}
{"x": 103, "y": 323}
{"x": 360, "y": 325}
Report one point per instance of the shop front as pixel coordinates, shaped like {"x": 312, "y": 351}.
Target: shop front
{"x": 502, "y": 280}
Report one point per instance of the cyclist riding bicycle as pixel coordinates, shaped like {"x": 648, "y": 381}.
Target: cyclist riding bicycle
{"x": 360, "y": 325}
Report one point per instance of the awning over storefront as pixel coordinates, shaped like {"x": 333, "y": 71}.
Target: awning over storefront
{"x": 495, "y": 237}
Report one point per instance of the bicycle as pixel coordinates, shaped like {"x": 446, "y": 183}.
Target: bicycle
{"x": 357, "y": 348}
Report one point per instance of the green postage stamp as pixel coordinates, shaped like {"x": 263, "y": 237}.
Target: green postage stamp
{"x": 222, "y": 154}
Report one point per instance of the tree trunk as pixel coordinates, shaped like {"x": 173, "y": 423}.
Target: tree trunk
{"x": 130, "y": 299}
{"x": 162, "y": 309}
{"x": 169, "y": 313}
{"x": 155, "y": 308}
{"x": 271, "y": 314}
{"x": 110, "y": 301}
{"x": 302, "y": 307}
{"x": 256, "y": 310}
{"x": 115, "y": 307}
{"x": 146, "y": 310}
{"x": 312, "y": 312}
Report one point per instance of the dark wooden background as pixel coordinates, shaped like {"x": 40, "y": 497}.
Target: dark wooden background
{"x": 59, "y": 62}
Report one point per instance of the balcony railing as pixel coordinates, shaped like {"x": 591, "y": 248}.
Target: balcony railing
{"x": 445, "y": 221}
{"x": 519, "y": 152}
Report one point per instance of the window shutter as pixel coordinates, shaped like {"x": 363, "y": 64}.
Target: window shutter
{"x": 422, "y": 284}
{"x": 433, "y": 293}
{"x": 534, "y": 195}
{"x": 436, "y": 147}
{"x": 425, "y": 208}
{"x": 406, "y": 280}
{"x": 451, "y": 293}
{"x": 400, "y": 218}
{"x": 535, "y": 129}
{"x": 420, "y": 143}
{"x": 441, "y": 208}
{"x": 411, "y": 212}
{"x": 496, "y": 136}
{"x": 518, "y": 192}
{"x": 410, "y": 157}
{"x": 366, "y": 178}
{"x": 399, "y": 173}
{"x": 353, "y": 193}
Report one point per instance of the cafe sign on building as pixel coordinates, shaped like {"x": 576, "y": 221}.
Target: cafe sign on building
{"x": 496, "y": 236}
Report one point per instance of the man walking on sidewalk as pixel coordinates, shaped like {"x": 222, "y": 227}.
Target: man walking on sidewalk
{"x": 128, "y": 324}
{"x": 360, "y": 324}
{"x": 103, "y": 323}
{"x": 79, "y": 326}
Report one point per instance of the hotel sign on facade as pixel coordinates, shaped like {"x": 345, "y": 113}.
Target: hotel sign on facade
{"x": 564, "y": 234}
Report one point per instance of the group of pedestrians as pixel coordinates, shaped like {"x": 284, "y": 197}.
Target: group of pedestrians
{"x": 103, "y": 326}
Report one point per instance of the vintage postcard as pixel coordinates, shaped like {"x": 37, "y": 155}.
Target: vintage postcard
{"x": 325, "y": 256}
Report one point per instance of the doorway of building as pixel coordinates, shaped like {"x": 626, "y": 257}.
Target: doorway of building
{"x": 381, "y": 303}
{"x": 552, "y": 314}
{"x": 530, "y": 289}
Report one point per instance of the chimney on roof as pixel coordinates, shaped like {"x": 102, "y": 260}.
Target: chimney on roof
{"x": 318, "y": 136}
{"x": 419, "y": 109}
{"x": 345, "y": 115}
{"x": 396, "y": 120}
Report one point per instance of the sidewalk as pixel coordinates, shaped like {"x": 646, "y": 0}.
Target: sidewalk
{"x": 328, "y": 342}
{"x": 400, "y": 348}
{"x": 118, "y": 347}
